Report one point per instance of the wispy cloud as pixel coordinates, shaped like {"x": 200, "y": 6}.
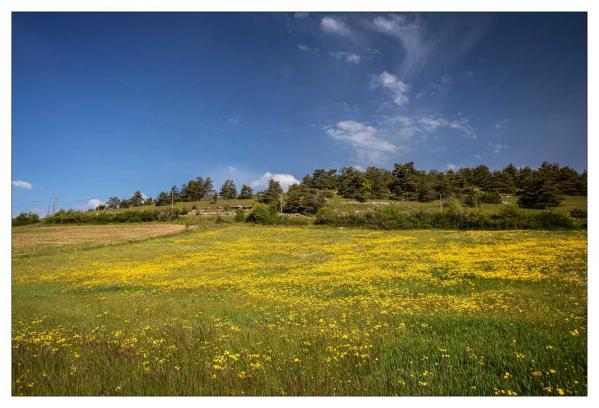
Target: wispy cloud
{"x": 502, "y": 123}
{"x": 304, "y": 47}
{"x": 22, "y": 184}
{"x": 348, "y": 57}
{"x": 334, "y": 25}
{"x": 364, "y": 140}
{"x": 284, "y": 179}
{"x": 409, "y": 31}
{"x": 398, "y": 89}
{"x": 497, "y": 148}
{"x": 300, "y": 14}
{"x": 432, "y": 123}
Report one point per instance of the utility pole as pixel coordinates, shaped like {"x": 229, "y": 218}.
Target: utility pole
{"x": 172, "y": 197}
{"x": 440, "y": 202}
{"x": 281, "y": 202}
{"x": 33, "y": 209}
{"x": 54, "y": 205}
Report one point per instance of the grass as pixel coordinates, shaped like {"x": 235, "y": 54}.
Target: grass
{"x": 343, "y": 204}
{"x": 239, "y": 309}
{"x": 37, "y": 238}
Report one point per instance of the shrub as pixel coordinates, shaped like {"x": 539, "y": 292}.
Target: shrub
{"x": 263, "y": 214}
{"x": 25, "y": 219}
{"x": 490, "y": 197}
{"x": 78, "y": 217}
{"x": 455, "y": 218}
{"x": 578, "y": 214}
{"x": 239, "y": 216}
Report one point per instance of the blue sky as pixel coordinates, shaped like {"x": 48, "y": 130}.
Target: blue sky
{"x": 106, "y": 103}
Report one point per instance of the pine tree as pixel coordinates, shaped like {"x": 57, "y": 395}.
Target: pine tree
{"x": 538, "y": 192}
{"x": 228, "y": 190}
{"x": 246, "y": 192}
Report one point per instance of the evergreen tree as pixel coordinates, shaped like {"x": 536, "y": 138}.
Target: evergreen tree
{"x": 228, "y": 190}
{"x": 404, "y": 184}
{"x": 163, "y": 198}
{"x": 538, "y": 192}
{"x": 303, "y": 200}
{"x": 136, "y": 199}
{"x": 272, "y": 195}
{"x": 353, "y": 184}
{"x": 246, "y": 192}
{"x": 113, "y": 203}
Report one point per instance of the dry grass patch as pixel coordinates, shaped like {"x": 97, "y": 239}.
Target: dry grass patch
{"x": 37, "y": 239}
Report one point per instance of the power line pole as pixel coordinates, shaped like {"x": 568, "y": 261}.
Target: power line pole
{"x": 33, "y": 209}
{"x": 172, "y": 197}
{"x": 440, "y": 202}
{"x": 54, "y": 205}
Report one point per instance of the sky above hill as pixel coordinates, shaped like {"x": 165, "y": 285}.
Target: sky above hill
{"x": 105, "y": 103}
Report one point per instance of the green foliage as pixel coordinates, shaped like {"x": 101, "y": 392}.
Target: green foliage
{"x": 272, "y": 195}
{"x": 490, "y": 197}
{"x": 538, "y": 191}
{"x": 78, "y": 217}
{"x": 228, "y": 190}
{"x": 162, "y": 199}
{"x": 324, "y": 179}
{"x": 113, "y": 203}
{"x": 391, "y": 217}
{"x": 136, "y": 199}
{"x": 263, "y": 214}
{"x": 353, "y": 184}
{"x": 25, "y": 219}
{"x": 239, "y": 216}
{"x": 246, "y": 192}
{"x": 578, "y": 214}
{"x": 303, "y": 200}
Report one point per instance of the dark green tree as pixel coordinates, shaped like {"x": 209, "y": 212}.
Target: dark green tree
{"x": 303, "y": 199}
{"x": 228, "y": 190}
{"x": 273, "y": 194}
{"x": 246, "y": 192}
{"x": 113, "y": 203}
{"x": 538, "y": 192}
{"x": 163, "y": 198}
{"x": 136, "y": 199}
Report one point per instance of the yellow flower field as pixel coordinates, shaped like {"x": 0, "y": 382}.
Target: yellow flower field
{"x": 255, "y": 310}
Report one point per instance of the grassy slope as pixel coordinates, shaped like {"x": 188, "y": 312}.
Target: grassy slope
{"x": 241, "y": 309}
{"x": 342, "y": 204}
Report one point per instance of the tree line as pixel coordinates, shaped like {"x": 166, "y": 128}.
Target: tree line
{"x": 536, "y": 188}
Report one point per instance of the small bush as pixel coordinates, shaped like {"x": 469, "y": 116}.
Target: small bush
{"x": 578, "y": 214}
{"x": 239, "y": 216}
{"x": 263, "y": 214}
{"x": 25, "y": 219}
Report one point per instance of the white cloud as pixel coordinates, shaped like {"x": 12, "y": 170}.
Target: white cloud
{"x": 498, "y": 148}
{"x": 409, "y": 31}
{"x": 303, "y": 47}
{"x": 284, "y": 179}
{"x": 334, "y": 26}
{"x": 300, "y": 14}
{"x": 348, "y": 57}
{"x": 22, "y": 184}
{"x": 398, "y": 88}
{"x": 432, "y": 123}
{"x": 451, "y": 166}
{"x": 502, "y": 123}
{"x": 402, "y": 126}
{"x": 363, "y": 139}
{"x": 94, "y": 203}
{"x": 233, "y": 121}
